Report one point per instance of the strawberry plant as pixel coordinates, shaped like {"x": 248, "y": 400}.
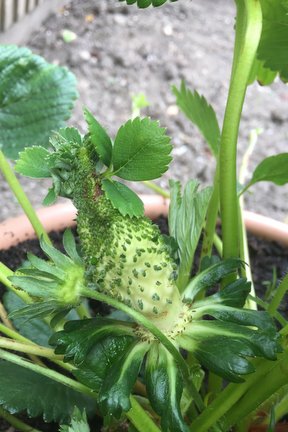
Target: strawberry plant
{"x": 178, "y": 351}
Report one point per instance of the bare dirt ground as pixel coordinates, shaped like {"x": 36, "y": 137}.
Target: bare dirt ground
{"x": 121, "y": 50}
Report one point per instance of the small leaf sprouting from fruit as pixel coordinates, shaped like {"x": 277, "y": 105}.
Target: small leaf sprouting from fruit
{"x": 32, "y": 162}
{"x": 141, "y": 150}
{"x": 99, "y": 138}
{"x": 123, "y": 198}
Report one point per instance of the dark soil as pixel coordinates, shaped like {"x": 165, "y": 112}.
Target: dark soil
{"x": 266, "y": 259}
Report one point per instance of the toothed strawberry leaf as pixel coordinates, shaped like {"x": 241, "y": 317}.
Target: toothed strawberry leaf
{"x": 141, "y": 150}
{"x": 123, "y": 198}
{"x": 99, "y": 138}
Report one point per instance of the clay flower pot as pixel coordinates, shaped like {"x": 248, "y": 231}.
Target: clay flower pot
{"x": 60, "y": 216}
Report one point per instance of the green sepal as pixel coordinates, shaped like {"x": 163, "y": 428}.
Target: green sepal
{"x": 114, "y": 395}
{"x": 164, "y": 386}
{"x": 123, "y": 198}
{"x": 234, "y": 294}
{"x": 146, "y": 3}
{"x": 79, "y": 337}
{"x": 141, "y": 150}
{"x": 71, "y": 247}
{"x": 99, "y": 138}
{"x": 200, "y": 113}
{"x": 32, "y": 162}
{"x": 210, "y": 276}
{"x": 24, "y": 390}
{"x": 100, "y": 358}
{"x": 186, "y": 218}
{"x": 222, "y": 346}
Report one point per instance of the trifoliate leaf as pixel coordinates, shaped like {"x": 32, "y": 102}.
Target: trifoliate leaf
{"x": 78, "y": 423}
{"x": 164, "y": 388}
{"x": 32, "y": 163}
{"x": 22, "y": 390}
{"x": 200, "y": 113}
{"x": 123, "y": 198}
{"x": 146, "y": 3}
{"x": 35, "y": 98}
{"x": 35, "y": 329}
{"x": 99, "y": 138}
{"x": 114, "y": 395}
{"x": 141, "y": 150}
{"x": 273, "y": 46}
{"x": 273, "y": 169}
{"x": 210, "y": 276}
{"x": 186, "y": 219}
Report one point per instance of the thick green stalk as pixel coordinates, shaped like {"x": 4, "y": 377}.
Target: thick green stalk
{"x": 259, "y": 392}
{"x": 16, "y": 423}
{"x": 22, "y": 198}
{"x": 248, "y": 12}
{"x": 230, "y": 397}
{"x": 140, "y": 419}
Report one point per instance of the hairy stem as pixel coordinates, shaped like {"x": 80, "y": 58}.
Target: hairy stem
{"x": 22, "y": 198}
{"x": 249, "y": 31}
{"x": 15, "y": 422}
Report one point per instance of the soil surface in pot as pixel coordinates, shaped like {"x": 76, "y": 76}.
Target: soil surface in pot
{"x": 268, "y": 260}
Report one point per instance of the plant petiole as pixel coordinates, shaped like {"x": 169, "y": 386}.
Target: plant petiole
{"x": 16, "y": 423}
{"x": 22, "y": 198}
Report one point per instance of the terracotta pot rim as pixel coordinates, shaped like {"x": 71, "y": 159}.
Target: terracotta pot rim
{"x": 57, "y": 217}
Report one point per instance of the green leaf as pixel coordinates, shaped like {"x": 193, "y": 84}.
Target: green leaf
{"x": 273, "y": 169}
{"x": 114, "y": 395}
{"x": 273, "y": 46}
{"x": 200, "y": 113}
{"x": 35, "y": 329}
{"x": 146, "y": 3}
{"x": 141, "y": 150}
{"x": 35, "y": 98}
{"x": 78, "y": 423}
{"x": 210, "y": 276}
{"x": 70, "y": 247}
{"x": 186, "y": 219}
{"x": 164, "y": 388}
{"x": 23, "y": 390}
{"x": 50, "y": 198}
{"x": 123, "y": 198}
{"x": 99, "y": 138}
{"x": 32, "y": 163}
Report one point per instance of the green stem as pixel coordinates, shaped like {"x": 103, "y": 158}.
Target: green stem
{"x": 279, "y": 295}
{"x": 16, "y": 423}
{"x": 158, "y": 189}
{"x": 281, "y": 408}
{"x": 22, "y": 198}
{"x": 140, "y": 419}
{"x": 145, "y": 322}
{"x": 229, "y": 397}
{"x": 212, "y": 213}
{"x": 5, "y": 272}
{"x": 262, "y": 390}
{"x": 28, "y": 348}
{"x": 246, "y": 43}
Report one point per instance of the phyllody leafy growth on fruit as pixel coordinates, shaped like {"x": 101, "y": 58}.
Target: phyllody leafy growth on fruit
{"x": 126, "y": 257}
